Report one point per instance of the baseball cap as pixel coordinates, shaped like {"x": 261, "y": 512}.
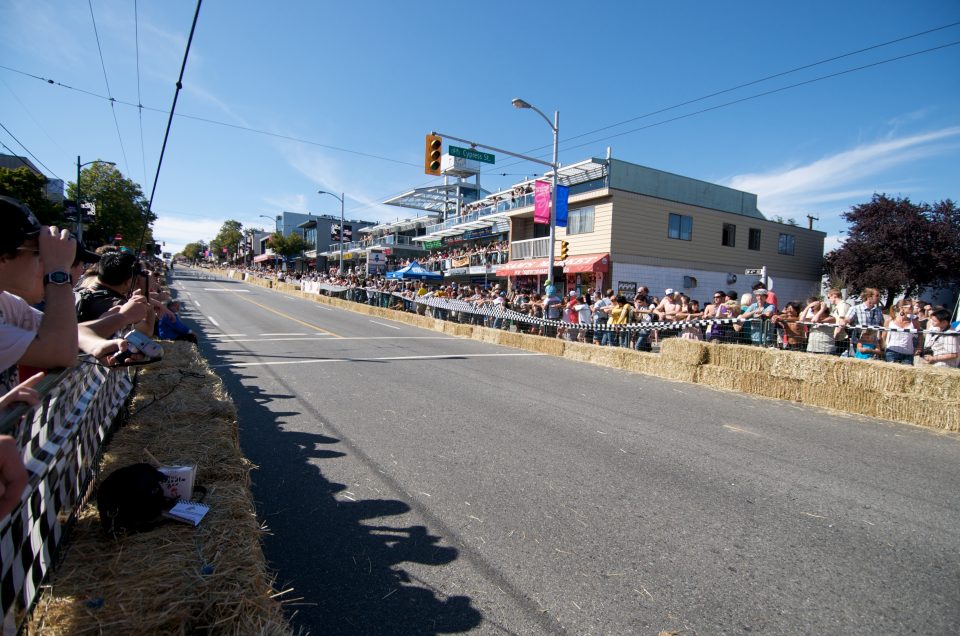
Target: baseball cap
{"x": 19, "y": 223}
{"x": 573, "y": 293}
{"x": 669, "y": 291}
{"x": 760, "y": 292}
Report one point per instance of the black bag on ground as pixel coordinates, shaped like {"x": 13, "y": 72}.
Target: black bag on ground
{"x": 131, "y": 499}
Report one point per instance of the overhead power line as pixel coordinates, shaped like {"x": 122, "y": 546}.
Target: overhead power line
{"x": 113, "y": 110}
{"x": 27, "y": 150}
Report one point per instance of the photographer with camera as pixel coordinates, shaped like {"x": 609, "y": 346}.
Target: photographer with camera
{"x": 943, "y": 345}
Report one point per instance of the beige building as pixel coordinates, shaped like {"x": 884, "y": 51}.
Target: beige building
{"x": 632, "y": 226}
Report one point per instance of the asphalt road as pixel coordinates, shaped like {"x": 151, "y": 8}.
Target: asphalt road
{"x": 415, "y": 483}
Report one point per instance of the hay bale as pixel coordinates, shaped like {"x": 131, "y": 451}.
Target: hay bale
{"x": 720, "y": 378}
{"x": 870, "y": 375}
{"x": 936, "y": 383}
{"x": 687, "y": 352}
{"x": 174, "y": 578}
{"x": 738, "y": 357}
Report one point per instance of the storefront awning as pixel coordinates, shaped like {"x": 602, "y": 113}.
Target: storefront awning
{"x": 587, "y": 263}
{"x": 262, "y": 257}
{"x": 527, "y": 267}
{"x": 573, "y": 265}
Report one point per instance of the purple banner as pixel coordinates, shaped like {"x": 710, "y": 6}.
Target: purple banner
{"x": 541, "y": 202}
{"x": 563, "y": 195}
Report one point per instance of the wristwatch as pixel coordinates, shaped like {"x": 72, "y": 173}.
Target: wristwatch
{"x": 58, "y": 278}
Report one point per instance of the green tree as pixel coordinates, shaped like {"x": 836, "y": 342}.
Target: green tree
{"x": 194, "y": 251}
{"x": 898, "y": 246}
{"x": 290, "y": 245}
{"x": 120, "y": 206}
{"x": 230, "y": 235}
{"x": 27, "y": 186}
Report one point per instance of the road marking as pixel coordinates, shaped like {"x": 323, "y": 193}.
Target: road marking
{"x": 284, "y": 334}
{"x": 235, "y": 291}
{"x": 452, "y": 356}
{"x": 332, "y": 337}
{"x": 740, "y": 430}
{"x": 322, "y": 336}
{"x": 215, "y": 323}
{"x": 195, "y": 304}
{"x": 324, "y": 308}
{"x": 289, "y": 317}
{"x": 383, "y": 324}
{"x": 223, "y": 335}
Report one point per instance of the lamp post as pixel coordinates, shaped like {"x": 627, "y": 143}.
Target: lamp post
{"x": 340, "y": 199}
{"x": 79, "y": 205}
{"x": 555, "y": 127}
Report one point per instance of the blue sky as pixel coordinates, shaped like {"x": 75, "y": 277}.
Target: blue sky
{"x": 331, "y": 82}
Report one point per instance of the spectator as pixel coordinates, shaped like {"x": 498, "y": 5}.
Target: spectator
{"x": 114, "y": 282}
{"x": 551, "y": 309}
{"x": 944, "y": 343}
{"x": 771, "y": 295}
{"x": 584, "y": 317}
{"x": 601, "y": 317}
{"x": 868, "y": 345}
{"x": 620, "y": 316}
{"x": 865, "y": 314}
{"x": 717, "y": 310}
{"x": 820, "y": 338}
{"x": 758, "y": 313}
{"x": 899, "y": 346}
{"x": 172, "y": 328}
{"x": 791, "y": 334}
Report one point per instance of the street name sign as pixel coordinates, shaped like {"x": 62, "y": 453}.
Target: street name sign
{"x": 470, "y": 153}
{"x": 757, "y": 271}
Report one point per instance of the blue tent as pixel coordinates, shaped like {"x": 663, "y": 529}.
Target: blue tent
{"x": 414, "y": 271}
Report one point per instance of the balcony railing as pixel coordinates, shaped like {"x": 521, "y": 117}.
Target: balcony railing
{"x": 531, "y": 248}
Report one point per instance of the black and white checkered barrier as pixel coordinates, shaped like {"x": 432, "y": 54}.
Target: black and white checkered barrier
{"x": 876, "y": 328}
{"x": 61, "y": 441}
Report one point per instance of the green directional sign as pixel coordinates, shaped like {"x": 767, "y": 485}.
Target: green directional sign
{"x": 470, "y": 153}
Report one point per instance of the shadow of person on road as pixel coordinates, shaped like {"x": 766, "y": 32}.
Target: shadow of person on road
{"x": 347, "y": 577}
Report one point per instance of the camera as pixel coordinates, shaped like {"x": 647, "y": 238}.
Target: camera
{"x": 139, "y": 343}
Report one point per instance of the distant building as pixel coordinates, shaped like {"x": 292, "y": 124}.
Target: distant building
{"x": 52, "y": 189}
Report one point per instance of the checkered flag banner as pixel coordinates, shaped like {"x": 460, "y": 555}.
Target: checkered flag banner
{"x": 60, "y": 440}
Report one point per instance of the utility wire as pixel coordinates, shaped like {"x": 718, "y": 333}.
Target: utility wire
{"x": 27, "y": 151}
{"x": 136, "y": 38}
{"x": 103, "y": 66}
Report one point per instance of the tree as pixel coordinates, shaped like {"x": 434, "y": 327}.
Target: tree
{"x": 899, "y": 247}
{"x": 27, "y": 186}
{"x": 194, "y": 251}
{"x": 120, "y": 206}
{"x": 290, "y": 245}
{"x": 230, "y": 236}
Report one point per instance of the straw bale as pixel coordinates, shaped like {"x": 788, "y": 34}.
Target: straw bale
{"x": 639, "y": 361}
{"x": 687, "y": 352}
{"x": 795, "y": 365}
{"x": 936, "y": 383}
{"x": 739, "y": 357}
{"x": 720, "y": 378}
{"x": 842, "y": 398}
{"x": 870, "y": 375}
{"x": 673, "y": 370}
{"x": 174, "y": 578}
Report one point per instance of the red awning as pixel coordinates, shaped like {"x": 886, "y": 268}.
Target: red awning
{"x": 586, "y": 263}
{"x": 262, "y": 257}
{"x": 527, "y": 267}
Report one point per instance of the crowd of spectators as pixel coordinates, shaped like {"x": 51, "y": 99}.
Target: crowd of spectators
{"x": 830, "y": 325}
{"x": 59, "y": 300}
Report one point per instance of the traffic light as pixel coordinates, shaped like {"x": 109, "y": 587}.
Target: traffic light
{"x": 431, "y": 159}
{"x": 564, "y": 250}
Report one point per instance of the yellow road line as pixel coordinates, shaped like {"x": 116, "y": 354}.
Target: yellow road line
{"x": 287, "y": 316}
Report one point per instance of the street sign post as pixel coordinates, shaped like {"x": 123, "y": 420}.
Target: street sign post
{"x": 470, "y": 153}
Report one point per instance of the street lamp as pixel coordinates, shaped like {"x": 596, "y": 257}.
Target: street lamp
{"x": 340, "y": 199}
{"x": 555, "y": 127}
{"x": 79, "y": 207}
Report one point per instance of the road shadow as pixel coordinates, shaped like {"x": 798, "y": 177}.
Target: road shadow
{"x": 341, "y": 555}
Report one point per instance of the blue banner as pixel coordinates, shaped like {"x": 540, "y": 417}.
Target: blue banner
{"x": 563, "y": 195}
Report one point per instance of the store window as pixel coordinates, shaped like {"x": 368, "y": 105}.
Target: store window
{"x": 754, "y": 239}
{"x": 580, "y": 221}
{"x": 786, "y": 244}
{"x": 729, "y": 238}
{"x": 680, "y": 227}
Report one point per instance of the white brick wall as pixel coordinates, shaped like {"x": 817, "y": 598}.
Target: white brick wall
{"x": 658, "y": 279}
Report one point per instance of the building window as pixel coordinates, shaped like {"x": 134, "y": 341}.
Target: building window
{"x": 754, "y": 239}
{"x": 681, "y": 227}
{"x": 729, "y": 234}
{"x": 580, "y": 221}
{"x": 786, "y": 244}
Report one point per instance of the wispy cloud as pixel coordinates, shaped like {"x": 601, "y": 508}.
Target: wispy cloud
{"x": 841, "y": 176}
